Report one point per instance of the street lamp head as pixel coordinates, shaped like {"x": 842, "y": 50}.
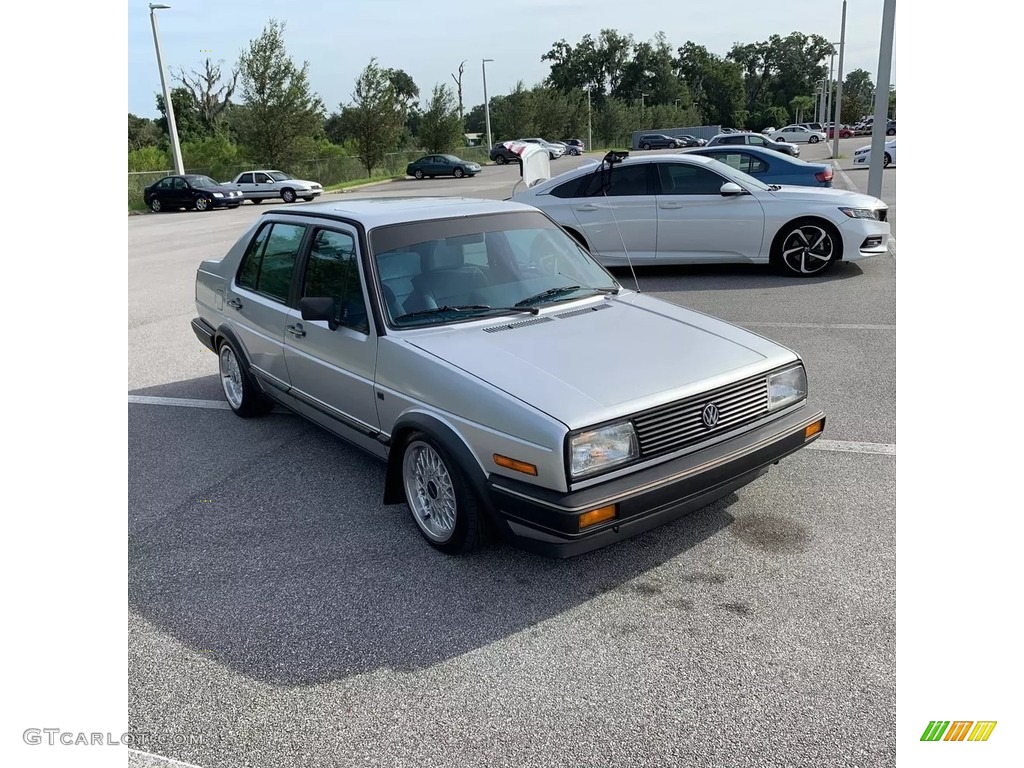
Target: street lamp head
{"x": 486, "y": 60}
{"x": 157, "y": 6}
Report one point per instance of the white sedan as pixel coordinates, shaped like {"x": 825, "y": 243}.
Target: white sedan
{"x": 687, "y": 209}
{"x": 798, "y": 134}
{"x": 862, "y": 156}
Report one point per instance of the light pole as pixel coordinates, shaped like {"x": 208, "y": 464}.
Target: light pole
{"x": 828, "y": 93}
{"x": 839, "y": 85}
{"x": 487, "y": 105}
{"x": 590, "y": 123}
{"x": 172, "y": 127}
{"x": 881, "y": 99}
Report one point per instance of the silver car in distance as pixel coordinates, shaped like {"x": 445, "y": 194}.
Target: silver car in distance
{"x": 510, "y": 384}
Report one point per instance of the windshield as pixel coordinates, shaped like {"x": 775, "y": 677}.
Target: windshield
{"x": 453, "y": 270}
{"x": 278, "y": 176}
{"x": 741, "y": 178}
{"x": 201, "y": 181}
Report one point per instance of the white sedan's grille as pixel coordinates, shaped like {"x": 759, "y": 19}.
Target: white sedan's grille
{"x": 670, "y": 427}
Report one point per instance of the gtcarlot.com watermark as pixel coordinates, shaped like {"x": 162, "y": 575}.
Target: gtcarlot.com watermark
{"x": 58, "y": 736}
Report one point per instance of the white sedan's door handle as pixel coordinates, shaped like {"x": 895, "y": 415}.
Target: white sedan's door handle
{"x": 670, "y": 206}
{"x": 586, "y": 207}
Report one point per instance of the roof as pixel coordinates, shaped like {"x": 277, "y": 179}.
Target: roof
{"x": 380, "y": 211}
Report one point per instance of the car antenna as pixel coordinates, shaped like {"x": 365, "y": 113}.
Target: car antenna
{"x": 604, "y": 172}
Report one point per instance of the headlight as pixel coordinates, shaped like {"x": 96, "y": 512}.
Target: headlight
{"x": 599, "y": 449}
{"x": 786, "y": 387}
{"x": 218, "y": 194}
{"x": 859, "y": 213}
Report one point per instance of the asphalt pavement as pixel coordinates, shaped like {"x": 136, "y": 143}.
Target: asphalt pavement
{"x": 280, "y": 615}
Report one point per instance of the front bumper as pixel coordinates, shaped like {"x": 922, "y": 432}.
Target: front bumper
{"x": 864, "y": 238}
{"x": 548, "y": 521}
{"x": 223, "y": 202}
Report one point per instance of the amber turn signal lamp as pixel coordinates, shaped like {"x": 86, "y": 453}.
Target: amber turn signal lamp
{"x": 518, "y": 466}
{"x": 813, "y": 429}
{"x": 599, "y": 515}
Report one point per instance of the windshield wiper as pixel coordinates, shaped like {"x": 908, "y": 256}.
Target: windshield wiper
{"x": 551, "y": 293}
{"x": 466, "y": 309}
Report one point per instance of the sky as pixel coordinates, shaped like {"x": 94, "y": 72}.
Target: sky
{"x": 429, "y": 39}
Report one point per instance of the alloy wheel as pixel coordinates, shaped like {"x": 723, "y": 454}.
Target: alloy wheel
{"x": 807, "y": 249}
{"x": 429, "y": 491}
{"x": 231, "y": 377}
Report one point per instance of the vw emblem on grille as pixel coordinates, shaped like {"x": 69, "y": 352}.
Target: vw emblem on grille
{"x": 710, "y": 415}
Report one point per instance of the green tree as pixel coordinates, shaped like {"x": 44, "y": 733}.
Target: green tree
{"x": 378, "y": 116}
{"x": 716, "y": 85}
{"x": 780, "y": 68}
{"x": 186, "y": 116}
{"x": 612, "y": 123}
{"x": 512, "y": 116}
{"x": 440, "y": 128}
{"x": 801, "y": 106}
{"x": 143, "y": 132}
{"x": 281, "y": 114}
{"x": 857, "y": 90}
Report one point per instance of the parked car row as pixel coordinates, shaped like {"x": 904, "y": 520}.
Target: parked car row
{"x": 661, "y": 141}
{"x": 501, "y": 154}
{"x": 740, "y": 138}
{"x": 201, "y": 193}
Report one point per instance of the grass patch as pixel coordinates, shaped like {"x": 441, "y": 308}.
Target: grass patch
{"x": 357, "y": 182}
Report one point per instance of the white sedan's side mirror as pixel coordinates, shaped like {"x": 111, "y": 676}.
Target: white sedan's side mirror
{"x": 731, "y": 188}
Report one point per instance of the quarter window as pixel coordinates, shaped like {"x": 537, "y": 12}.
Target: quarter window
{"x": 270, "y": 260}
{"x": 333, "y": 270}
{"x": 685, "y": 179}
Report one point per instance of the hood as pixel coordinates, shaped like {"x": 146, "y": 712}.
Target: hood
{"x": 633, "y": 353}
{"x": 825, "y": 194}
{"x": 303, "y": 182}
{"x": 225, "y": 188}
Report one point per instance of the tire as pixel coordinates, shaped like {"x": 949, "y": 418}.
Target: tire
{"x": 673, "y": 145}
{"x": 886, "y": 160}
{"x": 813, "y": 140}
{"x": 308, "y": 199}
{"x": 155, "y": 206}
{"x": 418, "y": 174}
{"x": 442, "y": 502}
{"x": 202, "y": 204}
{"x": 232, "y": 207}
{"x": 241, "y": 392}
{"x": 891, "y": 132}
{"x": 288, "y": 195}
{"x": 458, "y": 173}
{"x": 500, "y": 160}
{"x": 645, "y": 146}
{"x": 806, "y": 247}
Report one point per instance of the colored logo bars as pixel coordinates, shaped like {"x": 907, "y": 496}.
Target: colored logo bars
{"x": 958, "y": 730}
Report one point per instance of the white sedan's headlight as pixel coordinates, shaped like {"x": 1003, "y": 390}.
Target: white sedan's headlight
{"x": 599, "y": 449}
{"x": 860, "y": 213}
{"x": 786, "y": 387}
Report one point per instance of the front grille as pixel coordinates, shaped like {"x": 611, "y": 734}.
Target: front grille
{"x": 677, "y": 425}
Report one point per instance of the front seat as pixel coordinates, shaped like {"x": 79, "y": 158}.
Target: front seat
{"x": 446, "y": 279}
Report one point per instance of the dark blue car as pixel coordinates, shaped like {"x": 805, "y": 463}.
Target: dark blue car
{"x": 769, "y": 166}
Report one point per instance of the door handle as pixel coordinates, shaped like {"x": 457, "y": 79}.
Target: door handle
{"x": 670, "y": 206}
{"x": 586, "y": 207}
{"x": 296, "y": 330}
{"x": 233, "y": 302}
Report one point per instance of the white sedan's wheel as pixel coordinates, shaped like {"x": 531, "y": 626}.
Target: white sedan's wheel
{"x": 807, "y": 248}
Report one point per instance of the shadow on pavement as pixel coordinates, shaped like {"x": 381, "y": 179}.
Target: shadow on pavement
{"x": 263, "y": 544}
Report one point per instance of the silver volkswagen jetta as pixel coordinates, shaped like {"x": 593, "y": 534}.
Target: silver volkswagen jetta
{"x": 511, "y": 385}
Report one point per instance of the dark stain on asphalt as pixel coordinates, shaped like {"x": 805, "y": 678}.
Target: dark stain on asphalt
{"x": 777, "y": 535}
{"x": 740, "y": 609}
{"x": 682, "y": 602}
{"x": 643, "y": 588}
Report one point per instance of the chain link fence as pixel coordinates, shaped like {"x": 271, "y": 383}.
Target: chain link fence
{"x": 325, "y": 170}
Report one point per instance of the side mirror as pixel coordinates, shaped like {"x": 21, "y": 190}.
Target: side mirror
{"x": 731, "y": 189}
{"x": 320, "y": 308}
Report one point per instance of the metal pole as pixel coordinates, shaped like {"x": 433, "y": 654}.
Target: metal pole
{"x": 487, "y": 104}
{"x": 590, "y": 124}
{"x": 172, "y": 127}
{"x": 881, "y": 99}
{"x": 839, "y": 85}
{"x": 828, "y": 91}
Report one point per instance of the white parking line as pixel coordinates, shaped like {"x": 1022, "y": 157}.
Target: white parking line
{"x": 168, "y": 760}
{"x": 844, "y": 446}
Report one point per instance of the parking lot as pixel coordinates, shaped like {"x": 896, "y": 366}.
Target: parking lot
{"x": 281, "y": 615}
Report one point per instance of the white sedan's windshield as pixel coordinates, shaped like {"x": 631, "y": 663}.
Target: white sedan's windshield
{"x": 278, "y": 176}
